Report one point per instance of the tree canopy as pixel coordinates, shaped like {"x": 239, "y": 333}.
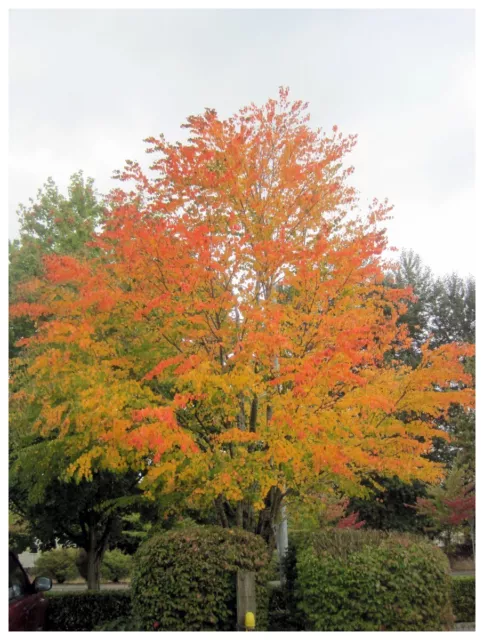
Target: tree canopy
{"x": 230, "y": 335}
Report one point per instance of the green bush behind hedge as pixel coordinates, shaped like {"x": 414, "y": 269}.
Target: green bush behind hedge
{"x": 186, "y": 580}
{"x": 57, "y": 564}
{"x": 116, "y": 566}
{"x": 86, "y": 610}
{"x": 370, "y": 581}
{"x": 464, "y": 598}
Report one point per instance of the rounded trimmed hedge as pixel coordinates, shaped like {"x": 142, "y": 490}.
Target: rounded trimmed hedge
{"x": 368, "y": 581}
{"x": 185, "y": 580}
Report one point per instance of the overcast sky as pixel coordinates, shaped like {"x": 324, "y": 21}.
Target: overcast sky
{"x": 87, "y": 86}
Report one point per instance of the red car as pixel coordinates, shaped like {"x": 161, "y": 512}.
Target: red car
{"x": 27, "y": 604}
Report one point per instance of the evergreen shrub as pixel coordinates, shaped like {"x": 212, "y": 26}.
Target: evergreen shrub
{"x": 185, "y": 580}
{"x": 344, "y": 580}
{"x": 116, "y": 566}
{"x": 57, "y": 564}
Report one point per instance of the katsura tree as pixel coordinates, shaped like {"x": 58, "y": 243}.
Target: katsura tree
{"x": 231, "y": 337}
{"x": 87, "y": 510}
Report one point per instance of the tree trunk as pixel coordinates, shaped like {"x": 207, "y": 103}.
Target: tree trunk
{"x": 448, "y": 542}
{"x": 282, "y": 540}
{"x": 472, "y": 532}
{"x": 93, "y": 570}
{"x": 253, "y": 414}
{"x": 240, "y": 515}
{"x": 241, "y": 415}
{"x": 95, "y": 552}
{"x": 265, "y": 525}
{"x": 221, "y": 512}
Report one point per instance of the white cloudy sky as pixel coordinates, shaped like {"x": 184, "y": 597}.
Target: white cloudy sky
{"x": 87, "y": 86}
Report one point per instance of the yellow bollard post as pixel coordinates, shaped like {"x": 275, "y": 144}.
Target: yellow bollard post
{"x": 249, "y": 621}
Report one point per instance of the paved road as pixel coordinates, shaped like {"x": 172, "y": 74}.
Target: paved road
{"x": 123, "y": 585}
{"x": 83, "y": 587}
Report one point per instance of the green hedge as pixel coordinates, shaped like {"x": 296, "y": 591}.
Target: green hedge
{"x": 369, "y": 581}
{"x": 281, "y": 617}
{"x": 125, "y": 623}
{"x": 464, "y": 598}
{"x": 74, "y": 611}
{"x": 186, "y": 580}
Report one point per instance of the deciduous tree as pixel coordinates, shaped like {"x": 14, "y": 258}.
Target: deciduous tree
{"x": 84, "y": 513}
{"x": 52, "y": 224}
{"x": 449, "y": 506}
{"x": 441, "y": 311}
{"x": 231, "y": 336}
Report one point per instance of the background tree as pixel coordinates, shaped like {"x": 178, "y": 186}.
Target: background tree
{"x": 53, "y": 224}
{"x": 418, "y": 279}
{"x": 454, "y": 320}
{"x": 134, "y": 530}
{"x": 390, "y": 507}
{"x": 177, "y": 350}
{"x": 20, "y": 535}
{"x": 453, "y": 310}
{"x": 56, "y": 224}
{"x": 449, "y": 506}
{"x": 87, "y": 514}
{"x": 441, "y": 310}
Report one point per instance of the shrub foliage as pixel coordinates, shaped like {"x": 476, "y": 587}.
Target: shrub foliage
{"x": 464, "y": 598}
{"x": 371, "y": 581}
{"x": 116, "y": 565}
{"x": 186, "y": 580}
{"x": 86, "y": 610}
{"x": 58, "y": 564}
